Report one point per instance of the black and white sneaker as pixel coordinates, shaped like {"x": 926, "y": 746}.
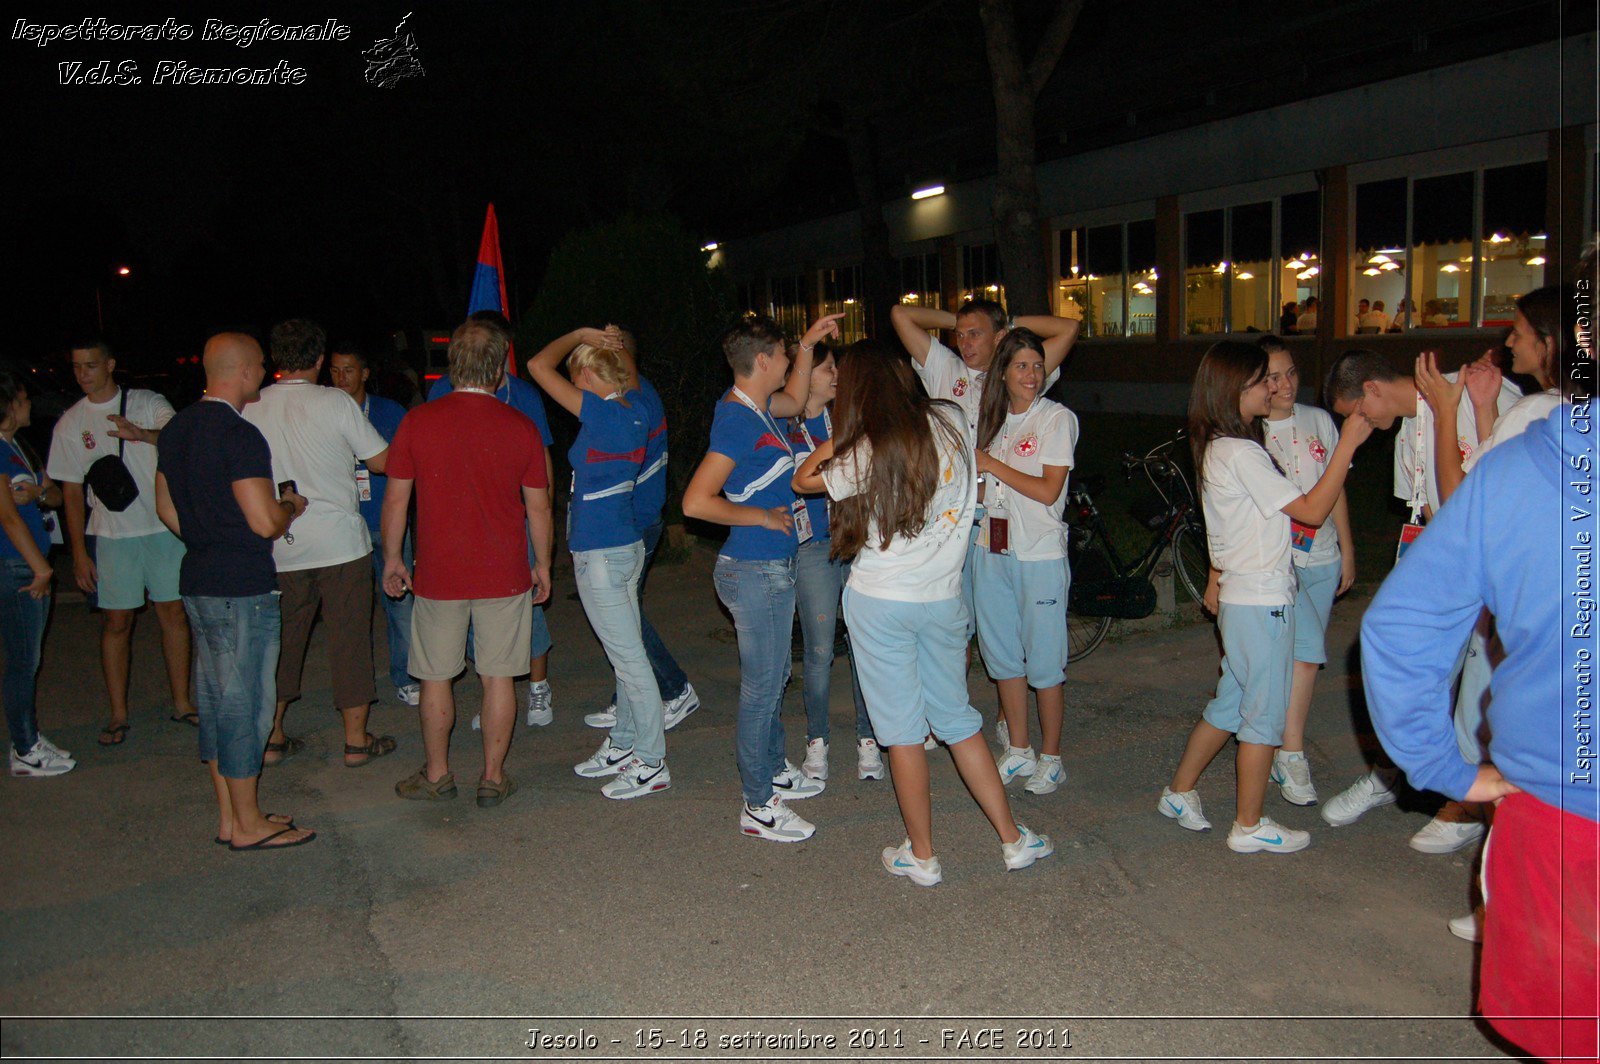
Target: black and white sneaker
{"x": 638, "y": 779}
{"x": 775, "y": 822}
{"x": 607, "y": 761}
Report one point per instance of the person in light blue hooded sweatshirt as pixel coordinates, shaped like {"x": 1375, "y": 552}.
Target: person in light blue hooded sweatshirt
{"x": 1519, "y": 536}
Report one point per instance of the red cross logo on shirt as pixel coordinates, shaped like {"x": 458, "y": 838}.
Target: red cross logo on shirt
{"x": 1465, "y": 448}
{"x": 1026, "y": 446}
{"x": 1319, "y": 453}
{"x": 88, "y": 441}
{"x": 959, "y": 388}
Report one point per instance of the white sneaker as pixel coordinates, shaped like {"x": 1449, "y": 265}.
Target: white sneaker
{"x": 791, "y": 784}
{"x": 869, "y": 760}
{"x": 1373, "y": 789}
{"x": 53, "y": 748}
{"x": 775, "y": 822}
{"x": 1027, "y": 849}
{"x": 1184, "y": 807}
{"x": 1016, "y": 764}
{"x": 607, "y": 761}
{"x": 1047, "y": 775}
{"x": 604, "y": 718}
{"x": 541, "y": 706}
{"x": 930, "y": 743}
{"x": 410, "y": 693}
{"x": 1002, "y": 733}
{"x": 900, "y": 861}
{"x": 638, "y": 779}
{"x": 679, "y": 708}
{"x": 1446, "y": 836}
{"x": 40, "y": 761}
{"x": 1267, "y": 837}
{"x": 816, "y": 762}
{"x": 477, "y": 722}
{"x": 1292, "y": 773}
{"x": 1469, "y": 927}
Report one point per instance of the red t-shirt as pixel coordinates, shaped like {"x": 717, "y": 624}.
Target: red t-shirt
{"x": 470, "y": 456}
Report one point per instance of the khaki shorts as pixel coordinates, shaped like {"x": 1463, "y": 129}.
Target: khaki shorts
{"x": 501, "y": 629}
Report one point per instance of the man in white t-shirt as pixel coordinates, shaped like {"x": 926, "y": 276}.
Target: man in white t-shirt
{"x": 1362, "y": 382}
{"x": 135, "y": 555}
{"x": 979, "y": 326}
{"x": 317, "y": 435}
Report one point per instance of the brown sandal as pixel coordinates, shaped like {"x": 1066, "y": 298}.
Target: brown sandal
{"x": 376, "y": 746}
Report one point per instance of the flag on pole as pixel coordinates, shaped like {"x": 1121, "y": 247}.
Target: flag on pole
{"x": 489, "y": 282}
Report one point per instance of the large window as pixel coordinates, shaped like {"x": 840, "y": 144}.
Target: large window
{"x": 841, "y": 294}
{"x": 980, "y": 273}
{"x": 1250, "y": 264}
{"x": 1205, "y": 270}
{"x": 1142, "y": 278}
{"x": 1299, "y": 267}
{"x": 1441, "y": 265}
{"x": 1092, "y": 280}
{"x": 746, "y": 297}
{"x": 1514, "y": 239}
{"x": 786, "y": 303}
{"x": 1379, "y": 256}
{"x": 921, "y": 283}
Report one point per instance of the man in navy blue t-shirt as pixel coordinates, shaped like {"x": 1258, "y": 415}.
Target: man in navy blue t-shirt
{"x": 214, "y": 490}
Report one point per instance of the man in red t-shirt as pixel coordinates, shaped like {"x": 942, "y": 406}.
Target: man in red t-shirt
{"x": 479, "y": 471}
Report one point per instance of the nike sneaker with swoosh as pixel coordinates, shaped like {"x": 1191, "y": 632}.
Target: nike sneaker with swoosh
{"x": 775, "y": 822}
{"x": 607, "y": 761}
{"x": 638, "y": 779}
{"x": 1184, "y": 807}
{"x": 1017, "y": 763}
{"x": 1027, "y": 849}
{"x": 900, "y": 861}
{"x": 1267, "y": 837}
{"x": 791, "y": 784}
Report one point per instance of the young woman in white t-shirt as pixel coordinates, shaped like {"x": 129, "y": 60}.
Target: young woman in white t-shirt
{"x": 1025, "y": 451}
{"x": 1248, "y": 505}
{"x": 904, "y": 489}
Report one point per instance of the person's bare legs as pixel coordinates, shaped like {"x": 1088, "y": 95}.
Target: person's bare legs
{"x": 499, "y": 714}
{"x": 239, "y": 815}
{"x": 1454, "y": 812}
{"x": 436, "y": 712}
{"x": 1014, "y": 708}
{"x": 1300, "y": 688}
{"x": 278, "y": 735}
{"x": 1252, "y": 764}
{"x": 539, "y": 668}
{"x": 908, "y": 768}
{"x": 1205, "y": 742}
{"x": 979, "y": 772}
{"x": 116, "y": 640}
{"x": 1052, "y": 711}
{"x": 175, "y": 648}
{"x": 355, "y": 724}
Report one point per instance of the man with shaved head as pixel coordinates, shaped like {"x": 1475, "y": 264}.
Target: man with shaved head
{"x": 214, "y": 490}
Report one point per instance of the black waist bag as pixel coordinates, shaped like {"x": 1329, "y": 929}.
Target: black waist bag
{"x": 109, "y": 478}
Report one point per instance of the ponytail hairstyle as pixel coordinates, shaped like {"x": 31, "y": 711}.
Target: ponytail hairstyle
{"x": 1226, "y": 370}
{"x": 609, "y": 367}
{"x": 882, "y": 404}
{"x": 996, "y": 403}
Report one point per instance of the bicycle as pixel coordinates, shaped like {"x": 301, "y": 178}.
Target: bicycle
{"x": 1104, "y": 585}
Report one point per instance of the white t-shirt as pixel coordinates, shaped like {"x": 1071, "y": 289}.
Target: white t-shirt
{"x": 926, "y": 568}
{"x": 83, "y": 436}
{"x": 1307, "y": 322}
{"x": 316, "y": 435}
{"x": 1045, "y": 434}
{"x": 1303, "y": 444}
{"x": 945, "y": 376}
{"x": 1373, "y": 319}
{"x": 1515, "y": 422}
{"x": 1243, "y": 498}
{"x": 1416, "y": 478}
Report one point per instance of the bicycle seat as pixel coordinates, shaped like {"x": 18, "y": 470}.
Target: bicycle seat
{"x": 1093, "y": 483}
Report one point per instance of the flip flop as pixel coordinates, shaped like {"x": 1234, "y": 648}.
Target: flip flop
{"x": 262, "y": 844}
{"x": 113, "y": 734}
{"x": 274, "y": 818}
{"x": 192, "y": 719}
{"x": 285, "y": 750}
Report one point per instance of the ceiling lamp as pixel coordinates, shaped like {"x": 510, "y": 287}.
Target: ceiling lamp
{"x": 1449, "y": 267}
{"x": 1390, "y": 265}
{"x": 1537, "y": 260}
{"x": 1074, "y": 271}
{"x": 1221, "y": 267}
{"x": 710, "y": 247}
{"x": 991, "y": 288}
{"x": 1379, "y": 259}
{"x": 1311, "y": 271}
{"x": 925, "y": 193}
{"x": 1245, "y": 276}
{"x": 1294, "y": 264}
{"x": 1370, "y": 271}
{"x": 1499, "y": 238}
{"x": 1391, "y": 251}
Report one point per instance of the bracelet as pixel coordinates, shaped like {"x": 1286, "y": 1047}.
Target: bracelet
{"x": 808, "y": 348}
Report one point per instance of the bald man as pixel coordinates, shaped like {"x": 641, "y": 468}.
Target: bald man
{"x": 214, "y": 490}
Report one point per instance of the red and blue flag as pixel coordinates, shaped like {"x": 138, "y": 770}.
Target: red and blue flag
{"x": 489, "y": 282}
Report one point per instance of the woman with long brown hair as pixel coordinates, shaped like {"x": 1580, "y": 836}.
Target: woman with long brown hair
{"x": 901, "y": 473}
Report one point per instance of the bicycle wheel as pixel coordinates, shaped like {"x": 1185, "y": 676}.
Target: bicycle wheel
{"x": 1192, "y": 559}
{"x": 1088, "y": 559}
{"x": 1084, "y": 634}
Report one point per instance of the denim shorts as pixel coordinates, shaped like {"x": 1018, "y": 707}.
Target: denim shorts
{"x": 235, "y": 662}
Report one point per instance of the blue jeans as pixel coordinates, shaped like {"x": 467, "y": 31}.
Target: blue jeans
{"x": 396, "y": 615}
{"x": 22, "y": 619}
{"x": 760, "y": 595}
{"x": 670, "y": 680}
{"x": 235, "y": 667}
{"x": 818, "y": 580}
{"x": 608, "y": 585}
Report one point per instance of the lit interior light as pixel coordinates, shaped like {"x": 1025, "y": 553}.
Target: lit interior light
{"x": 123, "y": 271}
{"x": 1311, "y": 271}
{"x": 1309, "y": 255}
{"x": 1498, "y": 238}
{"x": 1370, "y": 271}
{"x": 1466, "y": 258}
{"x": 1245, "y": 276}
{"x": 1221, "y": 267}
{"x": 931, "y": 190}
{"x": 849, "y": 302}
{"x": 1094, "y": 277}
{"x": 1537, "y": 260}
{"x": 1539, "y": 236}
{"x": 1379, "y": 259}
{"x": 991, "y": 288}
{"x": 1391, "y": 251}
{"x": 1294, "y": 264}
{"x": 1449, "y": 267}
{"x": 1154, "y": 276}
{"x": 1391, "y": 265}
{"x": 1074, "y": 271}
{"x": 710, "y": 247}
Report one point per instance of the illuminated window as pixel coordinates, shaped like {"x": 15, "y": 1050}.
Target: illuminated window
{"x": 1204, "y": 274}
{"x": 841, "y": 294}
{"x": 1250, "y": 267}
{"x": 1514, "y": 240}
{"x": 1142, "y": 278}
{"x": 1299, "y": 266}
{"x": 786, "y": 303}
{"x": 921, "y": 284}
{"x": 1092, "y": 280}
{"x": 1379, "y": 258}
{"x": 980, "y": 273}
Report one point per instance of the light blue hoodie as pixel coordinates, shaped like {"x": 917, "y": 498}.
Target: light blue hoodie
{"x": 1519, "y": 536}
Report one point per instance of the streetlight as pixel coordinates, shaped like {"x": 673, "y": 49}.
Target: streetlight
{"x": 99, "y": 303}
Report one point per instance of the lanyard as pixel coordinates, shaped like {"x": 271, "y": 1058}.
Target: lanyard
{"x": 766, "y": 419}
{"x": 1419, "y": 472}
{"x": 219, "y": 399}
{"x": 1294, "y": 447}
{"x": 827, "y": 426}
{"x": 12, "y": 443}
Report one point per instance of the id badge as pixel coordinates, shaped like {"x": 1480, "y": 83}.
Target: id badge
{"x": 1301, "y": 536}
{"x": 1408, "y": 535}
{"x": 999, "y": 535}
{"x": 364, "y": 483}
{"x": 802, "y": 521}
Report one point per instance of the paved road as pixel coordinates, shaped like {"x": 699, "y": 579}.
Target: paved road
{"x": 563, "y": 904}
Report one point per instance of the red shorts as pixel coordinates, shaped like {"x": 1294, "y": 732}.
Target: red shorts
{"x": 1541, "y": 935}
